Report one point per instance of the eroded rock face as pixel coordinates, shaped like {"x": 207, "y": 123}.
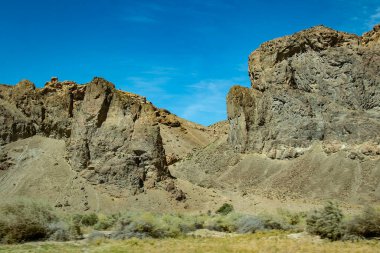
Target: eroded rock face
{"x": 115, "y": 138}
{"x": 316, "y": 85}
{"x": 111, "y": 136}
{"x": 14, "y": 120}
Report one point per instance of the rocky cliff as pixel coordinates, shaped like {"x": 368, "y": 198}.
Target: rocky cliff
{"x": 316, "y": 85}
{"x": 112, "y": 137}
{"x": 308, "y": 127}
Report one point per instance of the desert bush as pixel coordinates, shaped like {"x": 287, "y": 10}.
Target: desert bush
{"x": 59, "y": 231}
{"x": 249, "y": 224}
{"x": 291, "y": 218}
{"x": 140, "y": 225}
{"x": 97, "y": 235}
{"x": 272, "y": 222}
{"x": 75, "y": 231}
{"x": 22, "y": 220}
{"x": 194, "y": 222}
{"x": 365, "y": 225}
{"x": 85, "y": 219}
{"x": 182, "y": 224}
{"x": 143, "y": 225}
{"x": 106, "y": 222}
{"x": 327, "y": 222}
{"x": 234, "y": 222}
{"x": 225, "y": 209}
{"x": 223, "y": 223}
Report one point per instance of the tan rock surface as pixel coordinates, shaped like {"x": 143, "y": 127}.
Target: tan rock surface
{"x": 111, "y": 136}
{"x": 307, "y": 129}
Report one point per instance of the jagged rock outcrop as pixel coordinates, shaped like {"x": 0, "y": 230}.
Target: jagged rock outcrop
{"x": 111, "y": 136}
{"x": 14, "y": 122}
{"x": 316, "y": 85}
{"x": 308, "y": 128}
{"x": 115, "y": 138}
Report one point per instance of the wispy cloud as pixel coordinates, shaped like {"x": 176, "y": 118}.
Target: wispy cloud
{"x": 374, "y": 18}
{"x": 142, "y": 82}
{"x": 152, "y": 88}
{"x": 185, "y": 94}
{"x": 206, "y": 101}
{"x": 154, "y": 82}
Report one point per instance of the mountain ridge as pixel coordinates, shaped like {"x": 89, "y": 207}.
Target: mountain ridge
{"x": 309, "y": 125}
{"x": 308, "y": 129}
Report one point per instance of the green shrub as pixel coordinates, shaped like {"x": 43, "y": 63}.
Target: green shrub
{"x": 249, "y": 224}
{"x": 271, "y": 222}
{"x": 140, "y": 225}
{"x": 366, "y": 225}
{"x": 75, "y": 231}
{"x": 327, "y": 222}
{"x": 179, "y": 224}
{"x": 85, "y": 219}
{"x": 22, "y": 221}
{"x": 59, "y": 231}
{"x": 106, "y": 222}
{"x": 291, "y": 218}
{"x": 225, "y": 209}
{"x": 223, "y": 223}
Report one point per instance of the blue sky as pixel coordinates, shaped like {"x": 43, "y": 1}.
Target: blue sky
{"x": 182, "y": 55}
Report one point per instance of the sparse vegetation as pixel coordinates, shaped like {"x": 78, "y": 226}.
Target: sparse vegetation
{"x": 143, "y": 225}
{"x": 365, "y": 225}
{"x": 85, "y": 219}
{"x": 327, "y": 222}
{"x": 225, "y": 209}
{"x": 23, "y": 220}
{"x": 292, "y": 218}
{"x": 106, "y": 221}
{"x": 261, "y": 242}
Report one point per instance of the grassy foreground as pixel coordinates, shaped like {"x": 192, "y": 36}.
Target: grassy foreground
{"x": 260, "y": 242}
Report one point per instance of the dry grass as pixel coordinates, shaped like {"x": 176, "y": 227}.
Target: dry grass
{"x": 260, "y": 242}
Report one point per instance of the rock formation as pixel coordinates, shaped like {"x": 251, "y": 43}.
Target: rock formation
{"x": 307, "y": 128}
{"x": 111, "y": 136}
{"x": 316, "y": 85}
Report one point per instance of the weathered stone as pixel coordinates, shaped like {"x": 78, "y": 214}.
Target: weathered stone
{"x": 316, "y": 85}
{"x": 177, "y": 193}
{"x": 110, "y": 135}
{"x": 166, "y": 118}
{"x": 171, "y": 159}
